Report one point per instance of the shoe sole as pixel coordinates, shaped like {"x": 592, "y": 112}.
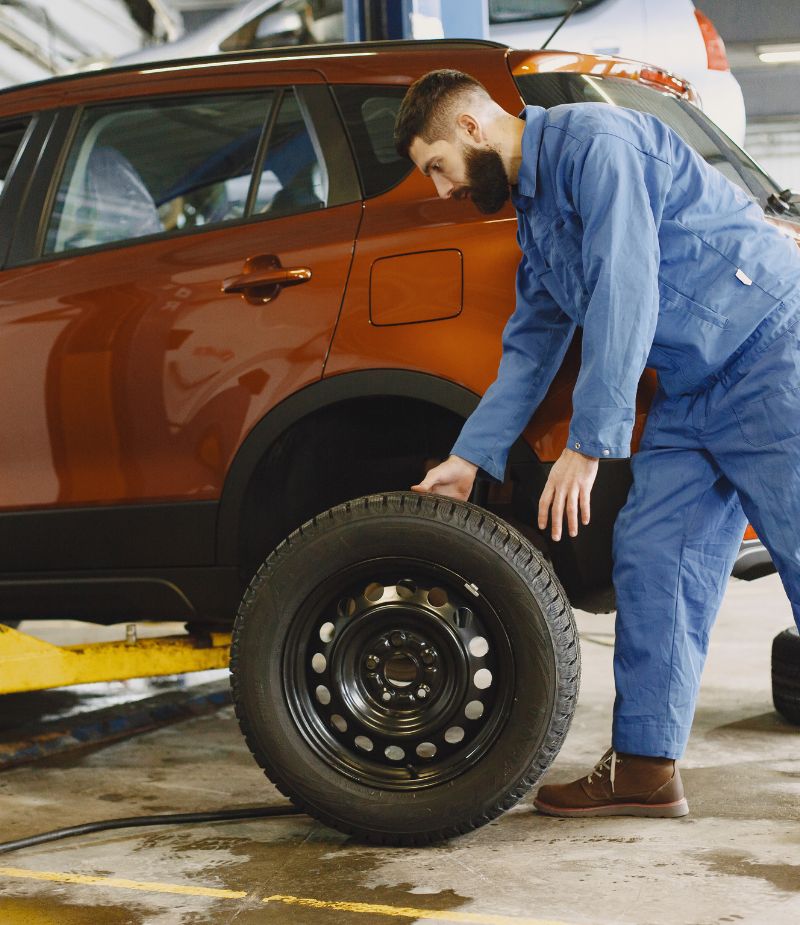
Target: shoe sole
{"x": 649, "y": 810}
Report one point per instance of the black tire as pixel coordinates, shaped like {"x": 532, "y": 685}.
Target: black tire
{"x": 786, "y": 674}
{"x": 343, "y": 589}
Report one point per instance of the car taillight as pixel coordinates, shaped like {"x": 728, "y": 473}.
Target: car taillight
{"x": 715, "y": 47}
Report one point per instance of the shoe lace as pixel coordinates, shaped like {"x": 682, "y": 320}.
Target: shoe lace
{"x": 607, "y": 763}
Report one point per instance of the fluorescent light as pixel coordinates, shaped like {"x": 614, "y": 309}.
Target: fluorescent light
{"x": 779, "y": 54}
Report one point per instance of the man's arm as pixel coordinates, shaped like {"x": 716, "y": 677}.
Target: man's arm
{"x": 535, "y": 340}
{"x": 619, "y": 194}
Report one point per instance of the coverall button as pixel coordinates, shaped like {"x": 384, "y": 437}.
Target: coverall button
{"x": 577, "y": 445}
{"x": 606, "y": 452}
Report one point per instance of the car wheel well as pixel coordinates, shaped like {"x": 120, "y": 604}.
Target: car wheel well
{"x": 355, "y": 447}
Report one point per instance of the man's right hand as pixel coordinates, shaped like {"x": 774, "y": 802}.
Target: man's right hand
{"x": 452, "y": 478}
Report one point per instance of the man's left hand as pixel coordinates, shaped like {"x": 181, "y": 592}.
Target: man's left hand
{"x": 567, "y": 490}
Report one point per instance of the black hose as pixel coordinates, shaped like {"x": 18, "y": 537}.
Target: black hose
{"x": 163, "y": 819}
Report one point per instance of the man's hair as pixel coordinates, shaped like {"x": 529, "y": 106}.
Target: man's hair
{"x": 428, "y": 107}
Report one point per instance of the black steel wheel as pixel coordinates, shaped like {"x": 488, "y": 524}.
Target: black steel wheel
{"x": 405, "y": 667}
{"x": 786, "y": 674}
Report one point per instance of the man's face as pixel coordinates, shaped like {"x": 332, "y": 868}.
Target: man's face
{"x": 460, "y": 170}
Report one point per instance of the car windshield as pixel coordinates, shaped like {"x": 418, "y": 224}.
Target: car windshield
{"x": 682, "y": 116}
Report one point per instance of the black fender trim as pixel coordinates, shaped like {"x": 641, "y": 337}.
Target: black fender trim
{"x": 374, "y": 383}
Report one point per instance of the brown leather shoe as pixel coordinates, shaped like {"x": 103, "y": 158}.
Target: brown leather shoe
{"x": 619, "y": 785}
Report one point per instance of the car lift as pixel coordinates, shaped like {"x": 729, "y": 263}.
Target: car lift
{"x": 30, "y": 664}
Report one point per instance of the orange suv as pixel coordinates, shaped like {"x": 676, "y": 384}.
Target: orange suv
{"x": 226, "y": 305}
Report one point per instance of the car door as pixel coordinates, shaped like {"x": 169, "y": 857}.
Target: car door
{"x": 180, "y": 275}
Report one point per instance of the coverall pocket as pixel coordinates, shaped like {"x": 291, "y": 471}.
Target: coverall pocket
{"x": 696, "y": 309}
{"x": 770, "y": 419}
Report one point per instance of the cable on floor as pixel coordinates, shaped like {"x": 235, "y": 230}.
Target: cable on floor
{"x": 255, "y": 812}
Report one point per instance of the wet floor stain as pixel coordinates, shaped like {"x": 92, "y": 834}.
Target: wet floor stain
{"x": 49, "y": 910}
{"x": 301, "y": 858}
{"x": 784, "y": 877}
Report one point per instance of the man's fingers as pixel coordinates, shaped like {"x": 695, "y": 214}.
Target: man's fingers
{"x": 572, "y": 512}
{"x": 557, "y": 515}
{"x": 586, "y": 492}
{"x": 544, "y": 505}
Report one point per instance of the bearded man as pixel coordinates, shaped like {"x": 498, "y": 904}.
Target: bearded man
{"x": 626, "y": 232}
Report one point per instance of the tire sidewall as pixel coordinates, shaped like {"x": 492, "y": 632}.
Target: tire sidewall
{"x": 264, "y": 624}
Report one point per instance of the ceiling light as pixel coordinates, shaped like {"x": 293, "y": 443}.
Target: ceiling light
{"x": 779, "y": 54}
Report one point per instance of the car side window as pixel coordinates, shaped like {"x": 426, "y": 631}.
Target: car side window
{"x": 11, "y": 135}
{"x": 156, "y": 166}
{"x": 369, "y": 113}
{"x": 293, "y": 176}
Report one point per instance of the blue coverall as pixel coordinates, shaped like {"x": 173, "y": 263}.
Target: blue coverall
{"x": 663, "y": 262}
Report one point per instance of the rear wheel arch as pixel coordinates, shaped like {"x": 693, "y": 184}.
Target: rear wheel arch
{"x": 314, "y": 413}
{"x": 346, "y": 436}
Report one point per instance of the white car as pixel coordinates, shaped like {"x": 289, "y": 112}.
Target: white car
{"x": 671, "y": 35}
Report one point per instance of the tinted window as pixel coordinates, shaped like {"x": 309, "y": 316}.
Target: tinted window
{"x": 515, "y": 10}
{"x": 369, "y": 113}
{"x": 11, "y": 135}
{"x": 683, "y": 117}
{"x": 293, "y": 177}
{"x": 152, "y": 167}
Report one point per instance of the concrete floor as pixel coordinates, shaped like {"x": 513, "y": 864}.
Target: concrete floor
{"x": 734, "y": 859}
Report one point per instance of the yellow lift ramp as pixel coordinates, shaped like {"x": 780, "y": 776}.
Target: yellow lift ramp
{"x": 31, "y": 664}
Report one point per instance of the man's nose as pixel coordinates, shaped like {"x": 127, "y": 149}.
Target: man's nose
{"x": 443, "y": 187}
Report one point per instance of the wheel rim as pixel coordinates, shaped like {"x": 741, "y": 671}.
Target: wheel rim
{"x": 398, "y": 673}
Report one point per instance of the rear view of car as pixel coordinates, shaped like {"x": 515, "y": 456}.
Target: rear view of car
{"x": 674, "y": 35}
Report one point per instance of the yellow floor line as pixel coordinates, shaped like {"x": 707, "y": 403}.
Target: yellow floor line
{"x": 121, "y": 884}
{"x": 431, "y": 915}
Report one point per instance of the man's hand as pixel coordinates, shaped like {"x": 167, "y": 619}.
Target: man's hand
{"x": 568, "y": 487}
{"x": 453, "y": 478}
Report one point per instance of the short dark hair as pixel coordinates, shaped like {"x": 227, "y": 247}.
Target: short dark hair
{"x": 427, "y": 106}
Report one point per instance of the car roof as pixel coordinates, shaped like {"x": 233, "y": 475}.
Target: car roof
{"x": 338, "y": 49}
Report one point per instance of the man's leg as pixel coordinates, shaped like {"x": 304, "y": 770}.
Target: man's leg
{"x": 675, "y": 542}
{"x": 754, "y": 433}
{"x": 674, "y": 546}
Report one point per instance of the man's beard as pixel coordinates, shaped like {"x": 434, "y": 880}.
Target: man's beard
{"x": 487, "y": 179}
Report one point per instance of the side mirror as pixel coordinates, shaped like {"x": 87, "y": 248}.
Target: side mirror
{"x": 790, "y": 196}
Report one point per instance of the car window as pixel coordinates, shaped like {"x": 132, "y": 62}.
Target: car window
{"x": 169, "y": 166}
{"x": 11, "y": 135}
{"x": 369, "y": 113}
{"x": 683, "y": 117}
{"x": 516, "y": 10}
{"x": 293, "y": 177}
{"x": 157, "y": 166}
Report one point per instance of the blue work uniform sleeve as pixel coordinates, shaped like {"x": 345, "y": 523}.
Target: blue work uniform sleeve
{"x": 535, "y": 340}
{"x": 618, "y": 192}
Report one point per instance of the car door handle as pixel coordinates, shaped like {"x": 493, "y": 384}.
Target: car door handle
{"x": 263, "y": 278}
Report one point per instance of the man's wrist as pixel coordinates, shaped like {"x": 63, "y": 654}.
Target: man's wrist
{"x": 470, "y": 465}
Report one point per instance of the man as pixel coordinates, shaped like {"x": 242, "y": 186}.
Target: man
{"x": 625, "y": 231}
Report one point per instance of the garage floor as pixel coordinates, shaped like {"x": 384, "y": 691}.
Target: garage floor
{"x": 735, "y": 858}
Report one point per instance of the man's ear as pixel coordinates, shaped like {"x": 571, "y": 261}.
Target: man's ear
{"x": 469, "y": 126}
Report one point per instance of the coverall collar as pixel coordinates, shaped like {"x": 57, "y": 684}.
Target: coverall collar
{"x": 534, "y": 117}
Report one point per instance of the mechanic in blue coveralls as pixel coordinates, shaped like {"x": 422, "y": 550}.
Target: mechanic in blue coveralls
{"x": 626, "y": 232}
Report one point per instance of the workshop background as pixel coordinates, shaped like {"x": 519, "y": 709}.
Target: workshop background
{"x": 172, "y": 744}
